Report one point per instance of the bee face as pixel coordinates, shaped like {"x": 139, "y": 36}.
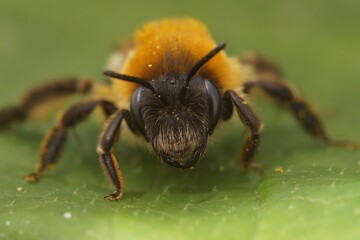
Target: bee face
{"x": 176, "y": 127}
{"x": 176, "y": 112}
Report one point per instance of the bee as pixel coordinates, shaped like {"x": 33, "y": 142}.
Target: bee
{"x": 172, "y": 85}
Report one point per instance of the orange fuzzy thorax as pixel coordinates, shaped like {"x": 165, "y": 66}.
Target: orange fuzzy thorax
{"x": 173, "y": 46}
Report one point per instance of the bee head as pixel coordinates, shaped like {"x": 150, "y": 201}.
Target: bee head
{"x": 176, "y": 113}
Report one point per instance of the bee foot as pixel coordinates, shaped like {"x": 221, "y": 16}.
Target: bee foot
{"x": 113, "y": 197}
{"x": 344, "y": 144}
{"x": 32, "y": 177}
{"x": 256, "y": 167}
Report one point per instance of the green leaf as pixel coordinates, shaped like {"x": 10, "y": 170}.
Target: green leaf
{"x": 309, "y": 191}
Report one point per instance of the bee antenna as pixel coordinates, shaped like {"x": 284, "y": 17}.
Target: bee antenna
{"x": 201, "y": 63}
{"x": 142, "y": 82}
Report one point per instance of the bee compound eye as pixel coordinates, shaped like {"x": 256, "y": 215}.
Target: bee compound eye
{"x": 214, "y": 97}
{"x": 136, "y": 114}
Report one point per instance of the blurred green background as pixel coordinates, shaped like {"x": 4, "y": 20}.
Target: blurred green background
{"x": 316, "y": 197}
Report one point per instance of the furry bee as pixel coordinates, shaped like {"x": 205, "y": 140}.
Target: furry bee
{"x": 172, "y": 85}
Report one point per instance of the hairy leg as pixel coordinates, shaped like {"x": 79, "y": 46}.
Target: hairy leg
{"x": 40, "y": 95}
{"x": 55, "y": 139}
{"x": 251, "y": 121}
{"x": 108, "y": 161}
{"x": 266, "y": 76}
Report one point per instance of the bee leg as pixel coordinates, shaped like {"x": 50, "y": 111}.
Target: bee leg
{"x": 252, "y": 122}
{"x": 11, "y": 115}
{"x": 269, "y": 79}
{"x": 41, "y": 95}
{"x": 107, "y": 159}
{"x": 55, "y": 139}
